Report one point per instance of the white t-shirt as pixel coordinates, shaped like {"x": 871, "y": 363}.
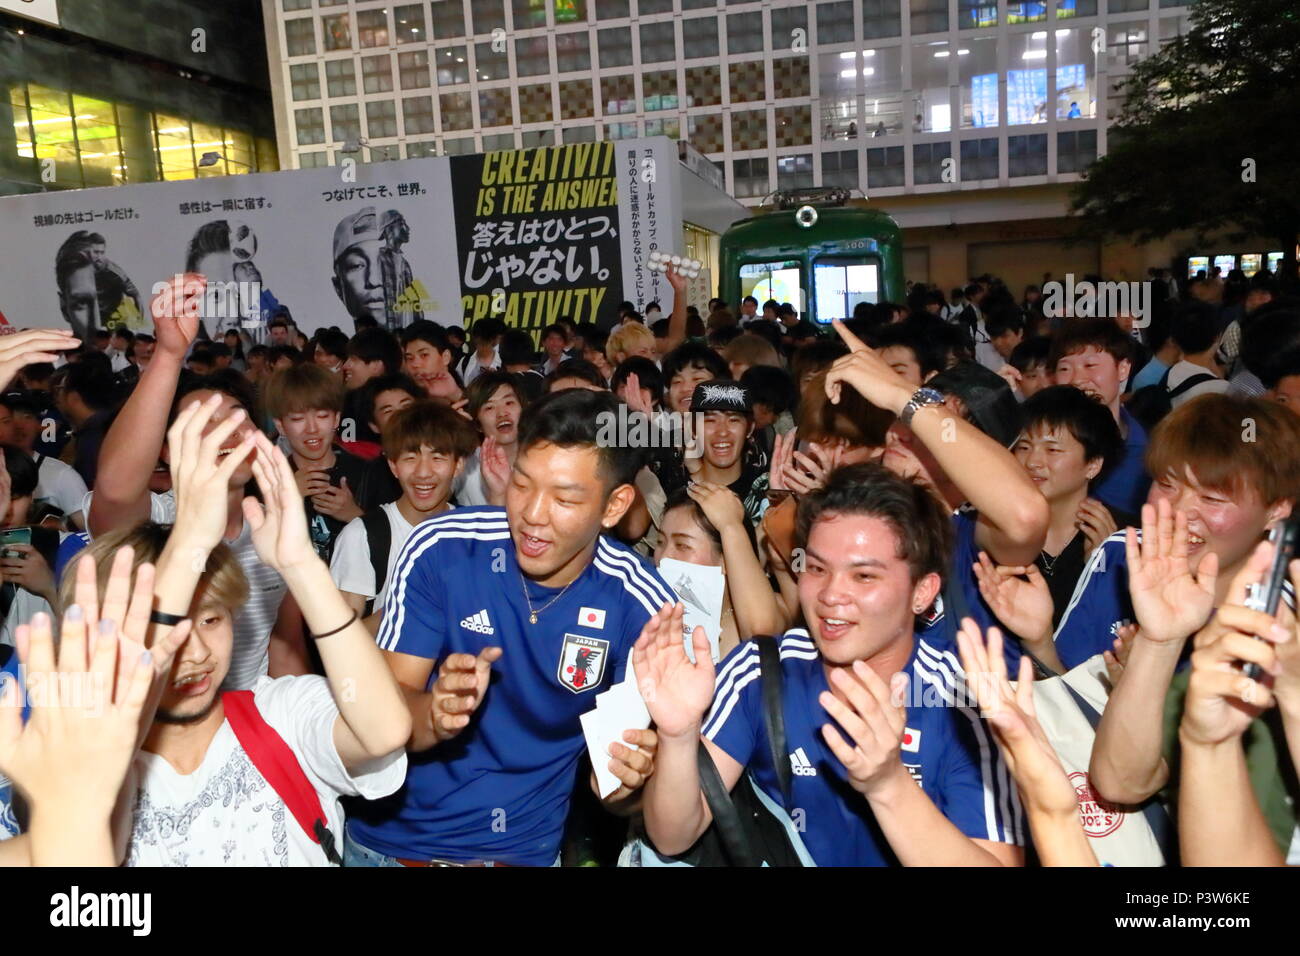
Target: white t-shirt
{"x": 226, "y": 814}
{"x": 468, "y": 488}
{"x": 351, "y": 568}
{"x": 255, "y": 619}
{"x": 60, "y": 485}
{"x": 1181, "y": 371}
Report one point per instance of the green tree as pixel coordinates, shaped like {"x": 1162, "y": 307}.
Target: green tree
{"x": 1208, "y": 138}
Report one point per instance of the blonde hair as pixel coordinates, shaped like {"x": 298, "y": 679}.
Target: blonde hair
{"x": 222, "y": 581}
{"x": 626, "y": 339}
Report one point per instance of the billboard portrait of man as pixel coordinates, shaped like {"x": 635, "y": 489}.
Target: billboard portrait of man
{"x": 222, "y": 252}
{"x": 94, "y": 292}
{"x": 372, "y": 276}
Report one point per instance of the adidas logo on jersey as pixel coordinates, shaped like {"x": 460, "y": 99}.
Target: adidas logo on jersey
{"x": 800, "y": 765}
{"x": 478, "y": 623}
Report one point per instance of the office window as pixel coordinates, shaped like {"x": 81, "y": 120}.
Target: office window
{"x": 840, "y": 168}
{"x": 290, "y": 5}
{"x": 617, "y": 94}
{"x": 413, "y": 69}
{"x": 532, "y": 56}
{"x": 345, "y": 123}
{"x": 790, "y": 77}
{"x": 533, "y": 138}
{"x": 1126, "y": 6}
{"x": 884, "y": 111}
{"x": 615, "y": 47}
{"x": 979, "y": 159}
{"x": 490, "y": 64}
{"x": 314, "y": 160}
{"x": 498, "y": 141}
{"x": 749, "y": 177}
{"x": 748, "y": 81}
{"x": 974, "y": 14}
{"x": 579, "y": 134}
{"x": 535, "y": 103}
{"x": 1027, "y": 155}
{"x": 881, "y": 18}
{"x": 794, "y": 172}
{"x": 622, "y": 131}
{"x": 698, "y": 4}
{"x": 572, "y": 52}
{"x": 745, "y": 32}
{"x": 381, "y": 119}
{"x": 452, "y": 66}
{"x": 408, "y": 23}
{"x": 928, "y": 16}
{"x": 785, "y": 22}
{"x": 1128, "y": 43}
{"x": 928, "y": 162}
{"x": 575, "y": 99}
{"x": 1075, "y": 8}
{"x": 310, "y": 126}
{"x": 417, "y": 115}
{"x": 669, "y": 127}
{"x": 460, "y": 146}
{"x": 335, "y": 34}
{"x": 494, "y": 108}
{"x": 794, "y": 125}
{"x": 885, "y": 167}
{"x": 299, "y": 37}
{"x": 340, "y": 78}
{"x": 421, "y": 150}
{"x": 448, "y": 19}
{"x": 612, "y": 9}
{"x": 1027, "y": 79}
{"x": 838, "y": 81}
{"x": 659, "y": 41}
{"x": 705, "y": 132}
{"x": 748, "y": 129}
{"x": 977, "y": 80}
{"x": 304, "y": 78}
{"x": 700, "y": 37}
{"x": 1026, "y": 11}
{"x": 703, "y": 86}
{"x": 372, "y": 27}
{"x": 377, "y": 73}
{"x": 457, "y": 111}
{"x": 834, "y": 23}
{"x": 528, "y": 13}
{"x": 931, "y": 94}
{"x": 488, "y": 16}
{"x": 1076, "y": 75}
{"x": 660, "y": 90}
{"x": 644, "y": 7}
{"x": 1075, "y": 150}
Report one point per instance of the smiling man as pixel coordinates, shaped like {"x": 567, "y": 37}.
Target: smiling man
{"x": 534, "y": 599}
{"x": 427, "y": 357}
{"x": 889, "y": 764}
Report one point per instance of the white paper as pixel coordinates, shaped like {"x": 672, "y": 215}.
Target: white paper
{"x": 617, "y": 710}
{"x": 701, "y": 589}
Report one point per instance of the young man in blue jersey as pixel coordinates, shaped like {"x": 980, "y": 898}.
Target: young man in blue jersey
{"x": 891, "y": 765}
{"x": 502, "y": 626}
{"x": 1095, "y": 356}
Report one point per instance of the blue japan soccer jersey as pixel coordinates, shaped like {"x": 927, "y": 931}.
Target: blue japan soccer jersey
{"x": 946, "y": 749}
{"x": 500, "y": 790}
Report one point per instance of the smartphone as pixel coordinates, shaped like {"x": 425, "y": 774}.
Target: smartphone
{"x": 10, "y": 536}
{"x": 1265, "y": 595}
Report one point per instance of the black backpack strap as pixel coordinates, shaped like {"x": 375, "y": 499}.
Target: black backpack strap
{"x": 726, "y": 818}
{"x": 769, "y": 662}
{"x": 379, "y": 538}
{"x": 1189, "y": 383}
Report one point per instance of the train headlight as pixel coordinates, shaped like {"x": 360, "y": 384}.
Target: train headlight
{"x": 806, "y": 216}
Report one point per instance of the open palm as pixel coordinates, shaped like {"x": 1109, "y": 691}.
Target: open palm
{"x": 676, "y": 692}
{"x": 1018, "y": 596}
{"x": 1171, "y": 600}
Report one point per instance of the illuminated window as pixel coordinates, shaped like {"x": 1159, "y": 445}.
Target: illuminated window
{"x": 299, "y": 37}
{"x": 417, "y": 115}
{"x": 408, "y": 23}
{"x": 489, "y": 64}
{"x": 448, "y": 19}
{"x": 838, "y": 75}
{"x": 973, "y": 14}
{"x": 977, "y": 79}
{"x": 100, "y": 151}
{"x": 413, "y": 69}
{"x": 452, "y": 66}
{"x": 883, "y": 109}
{"x": 794, "y": 172}
{"x": 377, "y": 73}
{"x": 305, "y": 81}
{"x": 335, "y": 34}
{"x": 457, "y": 111}
{"x": 931, "y": 94}
{"x": 529, "y": 13}
{"x": 1076, "y": 75}
{"x": 175, "y": 145}
{"x": 1026, "y": 11}
{"x": 372, "y": 27}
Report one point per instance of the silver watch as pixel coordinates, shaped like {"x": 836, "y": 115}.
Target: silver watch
{"x": 921, "y": 398}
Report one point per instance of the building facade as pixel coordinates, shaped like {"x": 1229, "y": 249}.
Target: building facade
{"x": 966, "y": 119}
{"x": 99, "y": 92}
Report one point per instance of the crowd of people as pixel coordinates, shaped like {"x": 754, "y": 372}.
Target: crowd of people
{"x": 990, "y": 579}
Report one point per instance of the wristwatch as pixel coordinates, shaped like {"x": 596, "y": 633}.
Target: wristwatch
{"x": 921, "y": 398}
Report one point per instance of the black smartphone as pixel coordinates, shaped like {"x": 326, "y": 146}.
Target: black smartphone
{"x": 1266, "y": 595}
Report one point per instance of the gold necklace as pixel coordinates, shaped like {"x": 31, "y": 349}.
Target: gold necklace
{"x": 532, "y": 614}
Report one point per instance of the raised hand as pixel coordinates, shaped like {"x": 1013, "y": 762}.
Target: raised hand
{"x": 692, "y": 444}
{"x": 1018, "y": 596}
{"x": 867, "y": 373}
{"x": 806, "y": 473}
{"x": 462, "y": 682}
{"x": 35, "y": 345}
{"x": 783, "y": 447}
{"x": 1010, "y": 711}
{"x": 1096, "y": 522}
{"x": 719, "y": 504}
{"x": 494, "y": 466}
{"x": 1170, "y": 600}
{"x": 633, "y": 398}
{"x": 676, "y": 280}
{"x": 874, "y": 717}
{"x": 279, "y": 523}
{"x": 175, "y": 310}
{"x": 338, "y": 502}
{"x": 200, "y": 478}
{"x": 676, "y": 692}
{"x": 1116, "y": 659}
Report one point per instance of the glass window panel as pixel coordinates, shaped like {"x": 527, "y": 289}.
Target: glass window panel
{"x": 535, "y": 103}
{"x": 745, "y": 32}
{"x": 570, "y": 11}
{"x": 175, "y": 146}
{"x": 1026, "y": 11}
{"x": 653, "y": 6}
{"x": 748, "y": 129}
{"x": 345, "y": 123}
{"x": 660, "y": 90}
{"x": 1076, "y": 75}
{"x": 498, "y": 141}
{"x": 1126, "y": 6}
{"x": 25, "y": 147}
{"x": 621, "y": 131}
{"x": 529, "y": 13}
{"x": 408, "y": 23}
{"x": 929, "y": 161}
{"x": 794, "y": 172}
{"x": 979, "y": 159}
{"x": 1027, "y": 78}
{"x": 703, "y": 86}
{"x": 837, "y": 79}
{"x": 452, "y": 66}
{"x": 615, "y": 47}
{"x": 611, "y": 9}
{"x": 750, "y": 177}
{"x": 448, "y": 18}
{"x": 304, "y": 78}
{"x": 488, "y": 16}
{"x": 785, "y": 22}
{"x": 881, "y": 18}
{"x": 700, "y": 37}
{"x": 300, "y": 37}
{"x": 617, "y": 95}
{"x": 377, "y": 73}
{"x": 313, "y": 160}
{"x": 417, "y": 114}
{"x": 977, "y": 79}
{"x": 572, "y": 52}
{"x": 458, "y": 147}
{"x": 928, "y": 16}
{"x": 790, "y": 77}
{"x": 421, "y": 150}
{"x": 335, "y": 33}
{"x": 883, "y": 109}
{"x": 579, "y": 134}
{"x": 575, "y": 99}
{"x": 1128, "y": 43}
{"x": 698, "y": 4}
{"x": 931, "y": 94}
{"x": 310, "y": 125}
{"x": 974, "y": 14}
{"x": 100, "y": 150}
{"x": 794, "y": 125}
{"x": 664, "y": 127}
{"x": 1076, "y": 8}
{"x": 494, "y": 107}
{"x": 241, "y": 152}
{"x": 340, "y": 78}
{"x": 413, "y": 69}
{"x": 1027, "y": 155}
{"x": 834, "y": 23}
{"x": 885, "y": 167}
{"x": 457, "y": 111}
{"x": 372, "y": 27}
{"x": 381, "y": 119}
{"x": 840, "y": 168}
{"x": 490, "y": 64}
{"x": 290, "y": 5}
{"x": 748, "y": 81}
{"x": 532, "y": 56}
{"x": 705, "y": 132}
{"x": 659, "y": 41}
{"x": 531, "y": 138}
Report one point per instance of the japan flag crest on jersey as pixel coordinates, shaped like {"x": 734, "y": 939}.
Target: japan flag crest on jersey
{"x": 582, "y": 662}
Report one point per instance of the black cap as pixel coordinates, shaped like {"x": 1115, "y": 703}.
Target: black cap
{"x": 720, "y": 395}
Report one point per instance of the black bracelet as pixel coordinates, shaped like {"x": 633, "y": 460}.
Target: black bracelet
{"x": 162, "y": 617}
{"x": 346, "y": 624}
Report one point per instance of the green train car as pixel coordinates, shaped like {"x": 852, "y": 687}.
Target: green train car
{"x": 818, "y": 251}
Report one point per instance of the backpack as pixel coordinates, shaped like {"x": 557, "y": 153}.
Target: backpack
{"x": 273, "y": 759}
{"x": 1151, "y": 403}
{"x": 749, "y": 828}
{"x": 379, "y": 537}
